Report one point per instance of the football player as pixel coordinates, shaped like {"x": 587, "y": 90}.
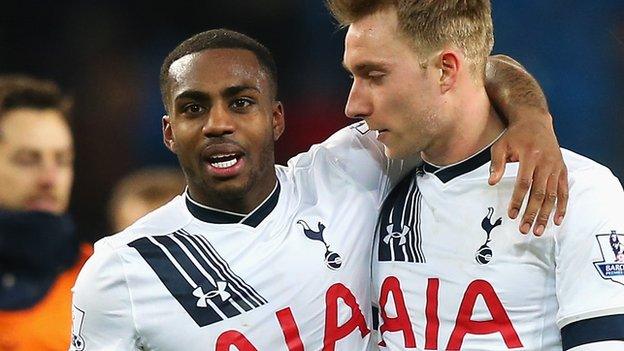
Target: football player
{"x": 459, "y": 276}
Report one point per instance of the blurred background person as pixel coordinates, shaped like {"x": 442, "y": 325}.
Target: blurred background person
{"x": 142, "y": 192}
{"x": 40, "y": 253}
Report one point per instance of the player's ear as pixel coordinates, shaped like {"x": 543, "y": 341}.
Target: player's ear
{"x": 449, "y": 64}
{"x": 168, "y": 133}
{"x": 278, "y": 120}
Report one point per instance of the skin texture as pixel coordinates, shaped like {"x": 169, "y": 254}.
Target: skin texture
{"x": 530, "y": 139}
{"x": 36, "y": 161}
{"x": 221, "y": 102}
{"x": 412, "y": 108}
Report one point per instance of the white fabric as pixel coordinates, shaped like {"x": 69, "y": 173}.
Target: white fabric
{"x": 543, "y": 283}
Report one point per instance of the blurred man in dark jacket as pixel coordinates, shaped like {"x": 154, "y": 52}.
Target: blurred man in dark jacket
{"x": 40, "y": 254}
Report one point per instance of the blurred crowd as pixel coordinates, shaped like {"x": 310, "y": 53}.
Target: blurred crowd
{"x": 97, "y": 112}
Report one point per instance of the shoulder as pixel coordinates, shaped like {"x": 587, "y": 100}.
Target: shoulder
{"x": 587, "y": 176}
{"x": 353, "y": 141}
{"x": 164, "y": 220}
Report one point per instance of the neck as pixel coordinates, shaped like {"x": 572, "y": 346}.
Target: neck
{"x": 241, "y": 202}
{"x": 474, "y": 124}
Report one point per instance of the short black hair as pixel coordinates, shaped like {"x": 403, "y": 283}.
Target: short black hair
{"x": 218, "y": 39}
{"x": 20, "y": 91}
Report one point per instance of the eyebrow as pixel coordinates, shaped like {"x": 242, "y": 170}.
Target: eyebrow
{"x": 366, "y": 66}
{"x": 231, "y": 91}
{"x": 192, "y": 95}
{"x": 227, "y": 92}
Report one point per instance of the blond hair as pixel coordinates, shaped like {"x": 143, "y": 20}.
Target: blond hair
{"x": 432, "y": 24}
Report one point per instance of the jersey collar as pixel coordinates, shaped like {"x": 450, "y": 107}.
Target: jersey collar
{"x": 450, "y": 172}
{"x": 216, "y": 216}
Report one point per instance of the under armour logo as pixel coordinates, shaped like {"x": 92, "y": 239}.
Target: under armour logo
{"x": 391, "y": 234}
{"x": 202, "y": 298}
{"x": 332, "y": 259}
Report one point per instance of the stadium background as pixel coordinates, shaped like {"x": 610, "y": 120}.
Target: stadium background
{"x": 107, "y": 54}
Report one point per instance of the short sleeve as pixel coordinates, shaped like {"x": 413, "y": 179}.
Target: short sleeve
{"x": 101, "y": 306}
{"x": 590, "y": 260}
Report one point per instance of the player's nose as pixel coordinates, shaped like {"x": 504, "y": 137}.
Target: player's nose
{"x": 219, "y": 122}
{"x": 359, "y": 104}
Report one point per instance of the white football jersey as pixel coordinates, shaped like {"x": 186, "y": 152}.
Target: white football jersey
{"x": 293, "y": 275}
{"x": 451, "y": 271}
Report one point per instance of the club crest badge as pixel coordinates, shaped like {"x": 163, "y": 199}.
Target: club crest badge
{"x": 612, "y": 249}
{"x": 484, "y": 253}
{"x": 332, "y": 259}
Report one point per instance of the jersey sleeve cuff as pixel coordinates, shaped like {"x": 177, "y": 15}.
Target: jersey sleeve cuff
{"x": 591, "y": 330}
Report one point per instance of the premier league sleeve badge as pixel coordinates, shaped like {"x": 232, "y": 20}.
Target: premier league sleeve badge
{"x": 612, "y": 250}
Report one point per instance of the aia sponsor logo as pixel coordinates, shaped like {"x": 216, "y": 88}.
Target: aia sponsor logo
{"x": 396, "y": 319}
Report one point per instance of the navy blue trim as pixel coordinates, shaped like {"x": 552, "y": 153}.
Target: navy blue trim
{"x": 221, "y": 267}
{"x": 219, "y": 217}
{"x": 402, "y": 209}
{"x": 593, "y": 330}
{"x": 449, "y": 173}
{"x": 257, "y": 216}
{"x": 210, "y": 215}
{"x": 184, "y": 248}
{"x": 174, "y": 281}
{"x": 375, "y": 318}
{"x": 187, "y": 265}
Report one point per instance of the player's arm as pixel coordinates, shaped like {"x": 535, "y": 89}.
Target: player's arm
{"x": 589, "y": 260}
{"x": 530, "y": 139}
{"x": 101, "y": 307}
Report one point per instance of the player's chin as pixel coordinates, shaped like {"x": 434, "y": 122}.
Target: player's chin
{"x": 228, "y": 187}
{"x": 392, "y": 152}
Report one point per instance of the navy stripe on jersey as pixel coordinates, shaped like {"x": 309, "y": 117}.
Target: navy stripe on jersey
{"x": 207, "y": 293}
{"x": 446, "y": 174}
{"x": 223, "y": 268}
{"x": 375, "y": 318}
{"x": 398, "y": 226}
{"x": 593, "y": 330}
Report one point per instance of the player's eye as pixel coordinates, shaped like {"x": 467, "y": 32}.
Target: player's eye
{"x": 241, "y": 103}
{"x": 26, "y": 159}
{"x": 376, "y": 76}
{"x": 65, "y": 159}
{"x": 193, "y": 109}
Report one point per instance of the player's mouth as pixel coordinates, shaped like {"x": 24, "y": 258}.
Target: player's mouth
{"x": 223, "y": 160}
{"x": 44, "y": 203}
